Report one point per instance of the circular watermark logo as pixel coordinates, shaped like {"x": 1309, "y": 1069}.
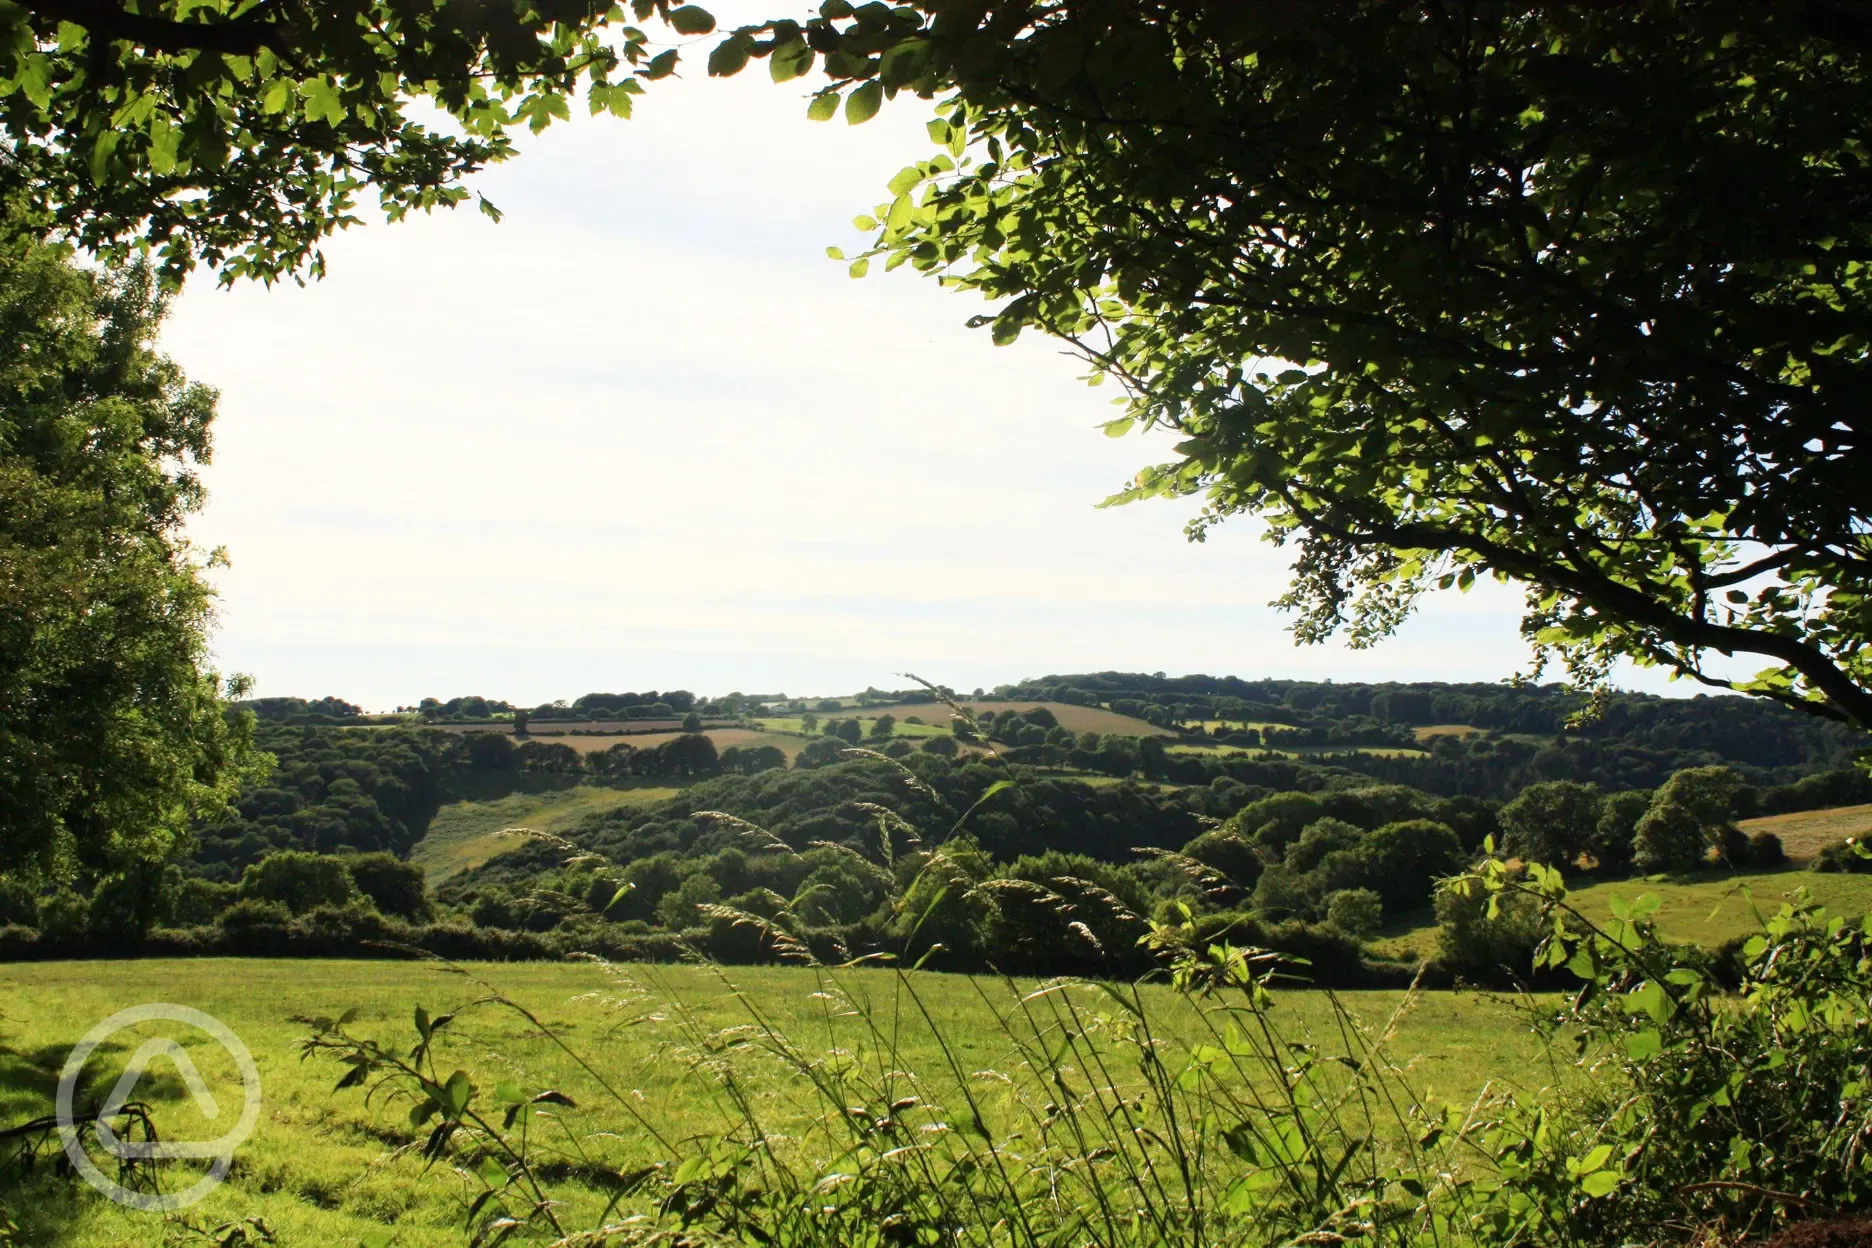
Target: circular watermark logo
{"x": 219, "y": 1151}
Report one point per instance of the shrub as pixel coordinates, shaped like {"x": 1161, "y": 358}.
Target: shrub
{"x": 63, "y": 919}
{"x": 1849, "y": 856}
{"x": 251, "y": 912}
{"x": 1403, "y": 861}
{"x": 298, "y": 880}
{"x": 194, "y": 902}
{"x": 1358, "y": 912}
{"x": 18, "y": 943}
{"x": 1229, "y": 855}
{"x": 1484, "y": 948}
{"x": 19, "y": 903}
{"x": 1764, "y": 850}
{"x": 395, "y": 887}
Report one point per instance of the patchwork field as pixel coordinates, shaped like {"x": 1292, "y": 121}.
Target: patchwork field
{"x": 324, "y": 1168}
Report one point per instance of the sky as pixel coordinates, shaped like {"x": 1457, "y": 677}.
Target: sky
{"x": 644, "y": 434}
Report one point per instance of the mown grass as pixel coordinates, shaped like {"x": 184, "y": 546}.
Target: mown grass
{"x": 1807, "y": 832}
{"x": 464, "y": 835}
{"x": 1429, "y": 732}
{"x": 323, "y": 1168}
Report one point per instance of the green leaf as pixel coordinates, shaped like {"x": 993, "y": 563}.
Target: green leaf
{"x": 823, "y": 106}
{"x": 457, "y": 1092}
{"x": 101, "y": 155}
{"x": 790, "y": 61}
{"x": 692, "y": 19}
{"x": 319, "y": 97}
{"x": 862, "y": 105}
{"x": 1601, "y": 1182}
{"x": 729, "y": 57}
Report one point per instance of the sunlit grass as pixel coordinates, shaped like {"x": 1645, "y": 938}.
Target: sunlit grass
{"x": 320, "y": 1167}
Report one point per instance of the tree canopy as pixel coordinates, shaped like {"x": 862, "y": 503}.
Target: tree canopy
{"x": 1567, "y": 294}
{"x": 113, "y": 733}
{"x": 241, "y": 132}
{"x": 1572, "y": 295}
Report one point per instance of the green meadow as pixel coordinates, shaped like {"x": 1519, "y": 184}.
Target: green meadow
{"x": 328, "y": 1168}
{"x": 1707, "y": 908}
{"x": 465, "y": 834}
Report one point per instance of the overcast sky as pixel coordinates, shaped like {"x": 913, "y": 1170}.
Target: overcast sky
{"x": 644, "y": 434}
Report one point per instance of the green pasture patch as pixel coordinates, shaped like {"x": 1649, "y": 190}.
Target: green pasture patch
{"x": 464, "y": 835}
{"x": 1709, "y": 908}
{"x": 323, "y": 1167}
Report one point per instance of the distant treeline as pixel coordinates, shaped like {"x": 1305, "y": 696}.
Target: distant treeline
{"x": 1738, "y": 729}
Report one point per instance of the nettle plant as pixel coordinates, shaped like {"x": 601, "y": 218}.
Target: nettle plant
{"x": 1729, "y": 1091}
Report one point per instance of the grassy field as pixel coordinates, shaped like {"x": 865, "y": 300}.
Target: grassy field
{"x": 1805, "y": 834}
{"x": 1712, "y": 908}
{"x": 323, "y": 1168}
{"x": 1431, "y": 731}
{"x": 464, "y": 835}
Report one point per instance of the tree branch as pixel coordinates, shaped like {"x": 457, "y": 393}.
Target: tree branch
{"x": 1596, "y": 588}
{"x": 111, "y": 22}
